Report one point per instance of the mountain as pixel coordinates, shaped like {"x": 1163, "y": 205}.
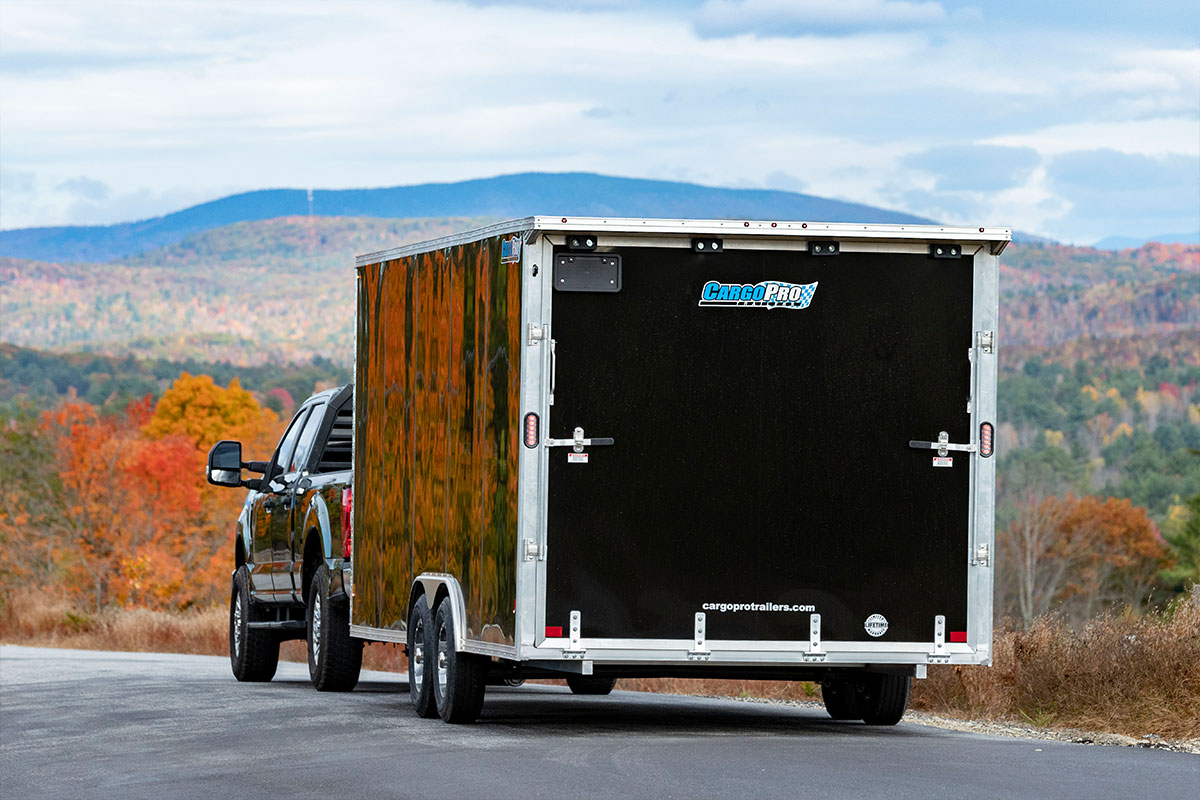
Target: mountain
{"x": 504, "y": 197}
{"x": 1129, "y": 242}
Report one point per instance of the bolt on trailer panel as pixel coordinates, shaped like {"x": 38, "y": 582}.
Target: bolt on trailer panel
{"x": 436, "y": 386}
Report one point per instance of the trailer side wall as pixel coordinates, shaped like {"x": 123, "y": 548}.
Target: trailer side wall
{"x": 437, "y": 382}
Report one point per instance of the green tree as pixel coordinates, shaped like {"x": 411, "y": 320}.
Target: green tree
{"x": 1184, "y": 541}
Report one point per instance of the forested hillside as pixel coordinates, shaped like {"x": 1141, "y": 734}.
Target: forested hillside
{"x": 1098, "y": 430}
{"x": 282, "y": 291}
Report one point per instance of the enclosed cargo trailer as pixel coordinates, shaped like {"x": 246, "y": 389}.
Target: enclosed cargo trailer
{"x": 617, "y": 447}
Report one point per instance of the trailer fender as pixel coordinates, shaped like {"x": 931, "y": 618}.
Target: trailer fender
{"x": 430, "y": 584}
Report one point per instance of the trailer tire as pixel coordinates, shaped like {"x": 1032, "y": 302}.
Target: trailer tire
{"x": 461, "y": 678}
{"x": 334, "y": 656}
{"x": 591, "y": 684}
{"x": 253, "y": 654}
{"x": 421, "y": 659}
{"x": 842, "y": 699}
{"x": 885, "y": 699}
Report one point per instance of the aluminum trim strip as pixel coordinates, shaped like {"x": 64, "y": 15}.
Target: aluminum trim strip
{"x": 466, "y": 237}
{"x": 996, "y": 237}
{"x": 729, "y": 227}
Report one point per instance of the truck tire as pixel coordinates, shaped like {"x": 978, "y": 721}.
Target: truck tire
{"x": 842, "y": 699}
{"x": 334, "y": 656}
{"x": 885, "y": 698}
{"x": 461, "y": 678}
{"x": 591, "y": 684}
{"x": 253, "y": 654}
{"x": 421, "y": 659}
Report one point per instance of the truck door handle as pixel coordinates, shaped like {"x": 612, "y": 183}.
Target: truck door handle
{"x": 579, "y": 442}
{"x": 943, "y": 445}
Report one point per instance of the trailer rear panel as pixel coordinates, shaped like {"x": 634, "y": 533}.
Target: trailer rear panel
{"x": 762, "y": 454}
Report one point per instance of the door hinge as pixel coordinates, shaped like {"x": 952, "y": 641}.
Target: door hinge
{"x": 531, "y": 550}
{"x": 983, "y": 555}
{"x": 536, "y": 334}
{"x": 987, "y": 341}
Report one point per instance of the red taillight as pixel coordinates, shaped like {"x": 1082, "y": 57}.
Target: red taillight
{"x": 985, "y": 439}
{"x": 347, "y": 517}
{"x": 531, "y": 429}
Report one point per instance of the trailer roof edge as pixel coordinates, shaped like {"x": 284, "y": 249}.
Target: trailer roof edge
{"x": 997, "y": 238}
{"x": 473, "y": 235}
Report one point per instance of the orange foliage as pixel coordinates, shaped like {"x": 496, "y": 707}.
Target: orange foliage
{"x": 1121, "y": 549}
{"x": 1079, "y": 555}
{"x": 133, "y": 521}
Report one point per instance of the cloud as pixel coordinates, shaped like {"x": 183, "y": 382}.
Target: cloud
{"x": 1128, "y": 192}
{"x": 83, "y": 188}
{"x": 975, "y": 167}
{"x": 782, "y": 180}
{"x": 16, "y": 181}
{"x": 799, "y": 17}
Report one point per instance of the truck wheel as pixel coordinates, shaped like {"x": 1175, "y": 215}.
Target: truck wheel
{"x": 591, "y": 684}
{"x": 421, "y": 659}
{"x": 334, "y": 656}
{"x": 885, "y": 699}
{"x": 461, "y": 678}
{"x": 842, "y": 699}
{"x": 253, "y": 654}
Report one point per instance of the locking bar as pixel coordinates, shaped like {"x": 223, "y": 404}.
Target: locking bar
{"x": 579, "y": 442}
{"x": 943, "y": 445}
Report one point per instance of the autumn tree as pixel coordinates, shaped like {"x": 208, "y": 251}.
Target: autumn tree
{"x": 197, "y": 408}
{"x": 1077, "y": 555}
{"x": 189, "y": 559}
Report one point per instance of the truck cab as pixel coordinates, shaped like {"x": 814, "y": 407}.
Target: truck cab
{"x": 289, "y": 554}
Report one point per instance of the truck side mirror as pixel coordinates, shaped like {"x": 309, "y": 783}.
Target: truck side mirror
{"x": 225, "y": 464}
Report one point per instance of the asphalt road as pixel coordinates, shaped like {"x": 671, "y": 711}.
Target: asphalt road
{"x": 78, "y": 724}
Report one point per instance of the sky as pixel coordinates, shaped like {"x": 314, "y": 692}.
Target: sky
{"x": 1075, "y": 119}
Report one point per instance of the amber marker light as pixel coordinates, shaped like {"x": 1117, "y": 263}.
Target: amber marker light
{"x": 985, "y": 439}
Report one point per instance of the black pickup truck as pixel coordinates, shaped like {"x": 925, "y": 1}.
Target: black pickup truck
{"x": 292, "y": 543}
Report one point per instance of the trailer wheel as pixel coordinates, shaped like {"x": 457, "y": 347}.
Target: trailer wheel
{"x": 253, "y": 654}
{"x": 461, "y": 678}
{"x": 842, "y": 698}
{"x": 334, "y": 656}
{"x": 421, "y": 659}
{"x": 591, "y": 684}
{"x": 885, "y": 699}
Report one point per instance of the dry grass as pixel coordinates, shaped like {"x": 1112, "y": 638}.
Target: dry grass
{"x": 1131, "y": 675}
{"x": 1120, "y": 674}
{"x": 43, "y": 620}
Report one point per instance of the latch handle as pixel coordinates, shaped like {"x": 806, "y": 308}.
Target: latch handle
{"x": 942, "y": 445}
{"x": 579, "y": 442}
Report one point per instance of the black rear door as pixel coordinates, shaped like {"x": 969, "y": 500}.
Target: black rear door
{"x": 761, "y": 454}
